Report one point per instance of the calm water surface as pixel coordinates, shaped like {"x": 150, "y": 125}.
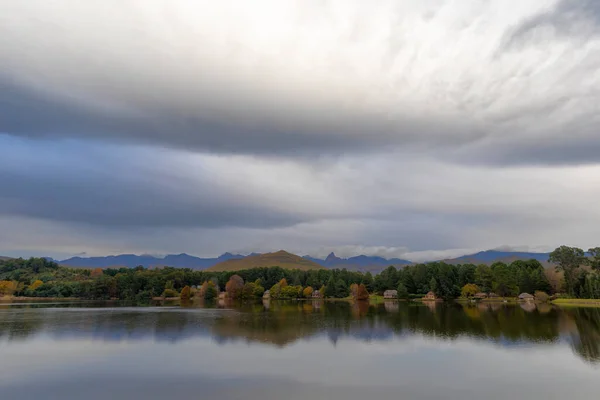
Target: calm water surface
{"x": 298, "y": 350}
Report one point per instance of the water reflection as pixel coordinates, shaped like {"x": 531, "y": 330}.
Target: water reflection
{"x": 282, "y": 323}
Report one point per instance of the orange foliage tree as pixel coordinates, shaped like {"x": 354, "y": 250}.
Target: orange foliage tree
{"x": 234, "y": 287}
{"x": 307, "y": 292}
{"x": 362, "y": 292}
{"x": 185, "y": 293}
{"x": 96, "y": 272}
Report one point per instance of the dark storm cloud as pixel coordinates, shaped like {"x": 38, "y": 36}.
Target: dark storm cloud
{"x": 568, "y": 18}
{"x": 118, "y": 193}
{"x": 274, "y": 129}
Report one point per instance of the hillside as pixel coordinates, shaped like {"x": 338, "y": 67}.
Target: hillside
{"x": 280, "y": 258}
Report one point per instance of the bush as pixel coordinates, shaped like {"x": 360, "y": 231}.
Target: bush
{"x": 170, "y": 293}
{"x": 541, "y": 296}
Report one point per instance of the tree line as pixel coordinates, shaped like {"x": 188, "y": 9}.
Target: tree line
{"x": 577, "y": 275}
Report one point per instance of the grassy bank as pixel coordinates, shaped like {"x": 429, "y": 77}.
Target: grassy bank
{"x": 576, "y": 302}
{"x": 12, "y": 298}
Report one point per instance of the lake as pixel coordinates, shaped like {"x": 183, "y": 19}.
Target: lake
{"x": 298, "y": 350}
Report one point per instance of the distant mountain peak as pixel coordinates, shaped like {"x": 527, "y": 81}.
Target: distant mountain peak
{"x": 332, "y": 257}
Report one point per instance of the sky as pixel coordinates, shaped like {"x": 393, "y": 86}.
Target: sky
{"x": 408, "y": 129}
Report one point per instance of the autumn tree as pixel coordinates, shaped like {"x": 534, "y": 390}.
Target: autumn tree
{"x": 307, "y": 292}
{"x": 541, "y": 296}
{"x": 36, "y": 284}
{"x": 568, "y": 259}
{"x": 7, "y": 288}
{"x": 97, "y": 272}
{"x": 185, "y": 293}
{"x": 234, "y": 287}
{"x": 362, "y": 292}
{"x": 469, "y": 290}
{"x": 354, "y": 291}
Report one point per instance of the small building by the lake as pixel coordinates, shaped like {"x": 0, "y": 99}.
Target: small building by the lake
{"x": 316, "y": 294}
{"x": 481, "y": 296}
{"x": 267, "y": 294}
{"x": 526, "y": 297}
{"x": 430, "y": 296}
{"x": 390, "y": 294}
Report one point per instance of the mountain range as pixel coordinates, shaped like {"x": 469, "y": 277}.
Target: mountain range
{"x": 362, "y": 263}
{"x": 284, "y": 259}
{"x": 131, "y": 261}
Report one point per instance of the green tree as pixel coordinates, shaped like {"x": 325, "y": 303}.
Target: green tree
{"x": 211, "y": 291}
{"x": 402, "y": 291}
{"x": 330, "y": 288}
{"x": 341, "y": 289}
{"x": 568, "y": 259}
{"x": 368, "y": 281}
{"x": 484, "y": 277}
{"x": 505, "y": 281}
{"x": 595, "y": 261}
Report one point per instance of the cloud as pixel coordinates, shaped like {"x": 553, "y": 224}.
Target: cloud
{"x": 407, "y": 129}
{"x": 301, "y": 79}
{"x": 566, "y": 19}
{"x": 77, "y": 196}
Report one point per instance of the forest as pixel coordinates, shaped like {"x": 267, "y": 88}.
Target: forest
{"x": 577, "y": 275}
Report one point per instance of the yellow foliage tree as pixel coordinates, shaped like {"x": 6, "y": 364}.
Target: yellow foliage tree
{"x": 469, "y": 290}
{"x": 7, "y": 288}
{"x": 354, "y": 291}
{"x": 307, "y": 292}
{"x": 35, "y": 285}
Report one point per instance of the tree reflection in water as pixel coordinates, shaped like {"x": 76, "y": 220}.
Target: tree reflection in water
{"x": 280, "y": 323}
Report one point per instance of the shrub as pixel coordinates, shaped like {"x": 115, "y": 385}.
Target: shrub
{"x": 170, "y": 293}
{"x": 541, "y": 296}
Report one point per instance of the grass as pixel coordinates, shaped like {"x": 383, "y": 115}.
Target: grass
{"x": 576, "y": 302}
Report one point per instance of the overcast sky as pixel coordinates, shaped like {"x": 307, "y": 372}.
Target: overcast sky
{"x": 397, "y": 128}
